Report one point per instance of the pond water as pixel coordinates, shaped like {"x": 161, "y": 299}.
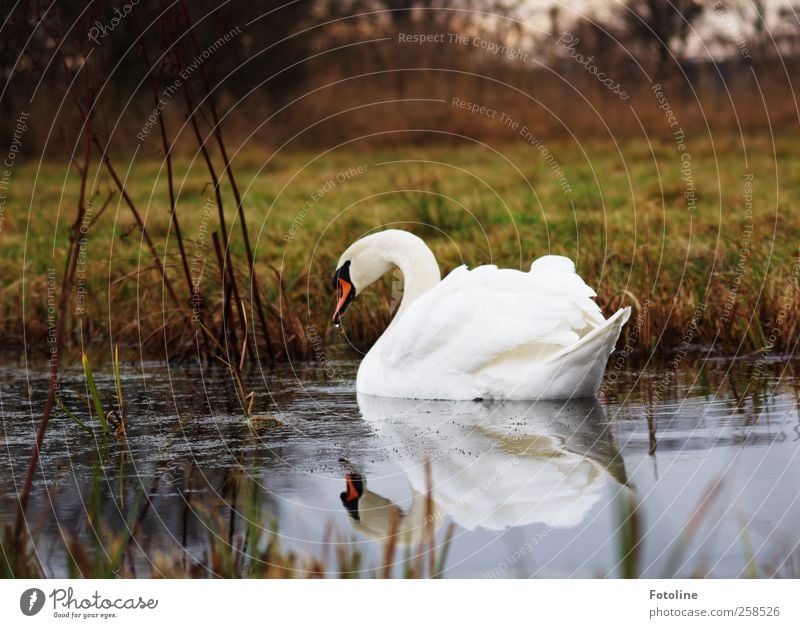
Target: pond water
{"x": 708, "y": 453}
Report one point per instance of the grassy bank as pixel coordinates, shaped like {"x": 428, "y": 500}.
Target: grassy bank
{"x": 701, "y": 239}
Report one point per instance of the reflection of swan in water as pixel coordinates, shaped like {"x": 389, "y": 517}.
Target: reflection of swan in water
{"x": 492, "y": 465}
{"x": 379, "y": 518}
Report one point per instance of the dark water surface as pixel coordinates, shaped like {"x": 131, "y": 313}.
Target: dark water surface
{"x": 710, "y": 454}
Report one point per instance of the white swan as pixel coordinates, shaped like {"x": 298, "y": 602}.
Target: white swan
{"x": 486, "y": 333}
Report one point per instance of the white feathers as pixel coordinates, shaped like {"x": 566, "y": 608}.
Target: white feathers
{"x": 489, "y": 332}
{"x": 553, "y": 264}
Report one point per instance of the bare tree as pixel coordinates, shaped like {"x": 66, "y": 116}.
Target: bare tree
{"x": 658, "y": 29}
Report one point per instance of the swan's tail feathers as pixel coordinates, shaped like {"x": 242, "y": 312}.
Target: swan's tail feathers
{"x": 590, "y": 354}
{"x": 602, "y": 336}
{"x": 624, "y": 314}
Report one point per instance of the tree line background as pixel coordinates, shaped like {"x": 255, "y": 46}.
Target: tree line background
{"x": 311, "y": 73}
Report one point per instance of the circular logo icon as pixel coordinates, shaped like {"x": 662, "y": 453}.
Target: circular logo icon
{"x": 31, "y": 602}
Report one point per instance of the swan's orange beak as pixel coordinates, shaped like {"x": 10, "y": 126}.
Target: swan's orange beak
{"x": 345, "y": 289}
{"x": 353, "y": 488}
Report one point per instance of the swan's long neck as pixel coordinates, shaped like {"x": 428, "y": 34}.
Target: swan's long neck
{"x": 417, "y": 263}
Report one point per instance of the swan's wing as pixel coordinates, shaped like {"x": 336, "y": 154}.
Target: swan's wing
{"x": 473, "y": 318}
{"x": 556, "y": 274}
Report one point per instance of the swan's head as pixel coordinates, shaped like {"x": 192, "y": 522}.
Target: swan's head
{"x": 362, "y": 264}
{"x": 368, "y": 259}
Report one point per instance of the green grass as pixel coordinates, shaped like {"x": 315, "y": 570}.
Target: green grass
{"x": 625, "y": 222}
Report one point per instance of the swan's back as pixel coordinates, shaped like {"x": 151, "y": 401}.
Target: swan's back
{"x": 492, "y": 311}
{"x": 479, "y": 332}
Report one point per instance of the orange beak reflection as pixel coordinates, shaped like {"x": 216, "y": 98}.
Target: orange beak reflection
{"x": 345, "y": 291}
{"x": 352, "y": 492}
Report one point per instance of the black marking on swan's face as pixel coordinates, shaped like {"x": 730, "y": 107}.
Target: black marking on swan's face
{"x": 345, "y": 290}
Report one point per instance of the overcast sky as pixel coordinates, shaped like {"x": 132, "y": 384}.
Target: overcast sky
{"x": 737, "y": 19}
